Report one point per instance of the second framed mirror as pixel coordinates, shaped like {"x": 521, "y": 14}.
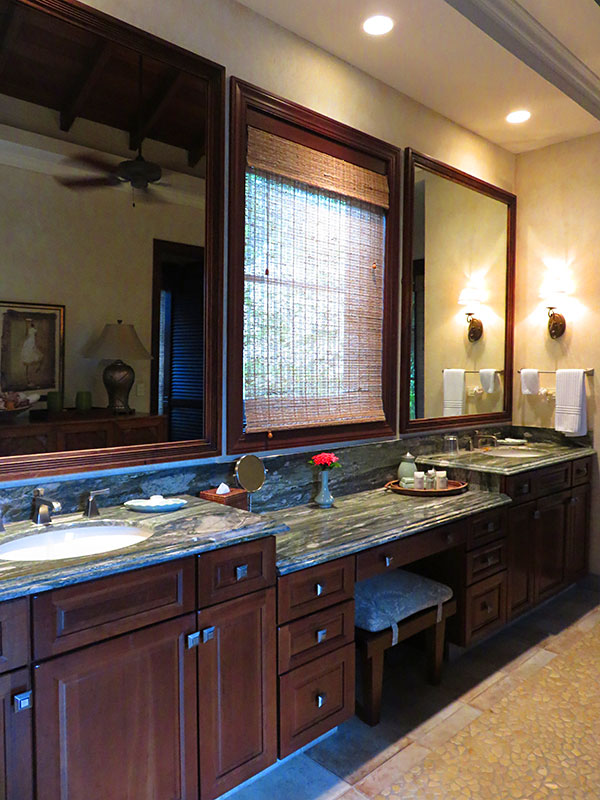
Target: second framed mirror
{"x": 457, "y": 298}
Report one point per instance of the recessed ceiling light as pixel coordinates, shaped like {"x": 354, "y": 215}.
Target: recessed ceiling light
{"x": 518, "y": 116}
{"x": 378, "y": 25}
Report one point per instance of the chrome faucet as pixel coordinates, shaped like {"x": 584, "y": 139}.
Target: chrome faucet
{"x": 42, "y": 507}
{"x": 480, "y": 436}
{"x": 91, "y": 509}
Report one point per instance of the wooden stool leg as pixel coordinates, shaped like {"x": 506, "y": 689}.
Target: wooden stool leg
{"x": 435, "y": 647}
{"x": 372, "y": 687}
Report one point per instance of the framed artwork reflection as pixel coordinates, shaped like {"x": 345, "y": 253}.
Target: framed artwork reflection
{"x": 32, "y": 347}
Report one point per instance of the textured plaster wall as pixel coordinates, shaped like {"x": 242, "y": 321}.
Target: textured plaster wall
{"x": 558, "y": 239}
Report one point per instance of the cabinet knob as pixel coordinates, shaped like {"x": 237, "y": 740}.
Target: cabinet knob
{"x": 208, "y": 634}
{"x": 524, "y": 488}
{"x": 321, "y": 635}
{"x": 487, "y": 607}
{"x": 574, "y": 500}
{"x": 193, "y": 640}
{"x": 241, "y": 572}
{"x": 491, "y": 527}
{"x": 536, "y": 514}
{"x": 450, "y": 538}
{"x": 23, "y": 701}
{"x": 319, "y": 589}
{"x": 388, "y": 560}
{"x": 321, "y": 699}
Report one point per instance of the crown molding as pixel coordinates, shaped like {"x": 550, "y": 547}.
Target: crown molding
{"x": 512, "y": 27}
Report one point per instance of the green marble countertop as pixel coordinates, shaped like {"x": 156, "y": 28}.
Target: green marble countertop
{"x": 196, "y": 528}
{"x": 359, "y": 521}
{"x": 484, "y": 460}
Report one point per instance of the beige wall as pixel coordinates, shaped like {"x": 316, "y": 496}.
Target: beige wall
{"x": 558, "y": 233}
{"x": 94, "y": 257}
{"x": 260, "y": 52}
{"x": 465, "y": 245}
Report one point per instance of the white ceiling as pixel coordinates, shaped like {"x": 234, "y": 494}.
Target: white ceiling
{"x": 438, "y": 57}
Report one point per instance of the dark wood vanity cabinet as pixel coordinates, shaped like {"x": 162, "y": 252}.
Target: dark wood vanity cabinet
{"x": 16, "y": 758}
{"x": 547, "y": 536}
{"x": 119, "y": 719}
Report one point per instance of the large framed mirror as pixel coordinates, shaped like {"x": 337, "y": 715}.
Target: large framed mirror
{"x": 111, "y": 168}
{"x": 457, "y": 298}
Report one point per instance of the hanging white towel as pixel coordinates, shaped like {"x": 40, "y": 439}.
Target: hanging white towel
{"x": 490, "y": 381}
{"x": 571, "y": 408}
{"x": 530, "y": 381}
{"x": 454, "y": 392}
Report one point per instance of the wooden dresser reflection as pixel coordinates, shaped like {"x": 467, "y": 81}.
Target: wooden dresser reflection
{"x": 74, "y": 430}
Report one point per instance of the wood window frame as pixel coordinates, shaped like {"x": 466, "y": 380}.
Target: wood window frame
{"x": 253, "y": 106}
{"x": 114, "y": 30}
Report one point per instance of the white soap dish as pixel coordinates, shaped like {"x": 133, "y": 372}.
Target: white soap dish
{"x": 155, "y": 504}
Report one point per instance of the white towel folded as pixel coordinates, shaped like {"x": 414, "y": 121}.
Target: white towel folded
{"x": 571, "y": 408}
{"x": 530, "y": 381}
{"x": 490, "y": 380}
{"x": 454, "y": 392}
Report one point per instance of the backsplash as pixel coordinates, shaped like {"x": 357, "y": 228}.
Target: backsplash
{"x": 290, "y": 480}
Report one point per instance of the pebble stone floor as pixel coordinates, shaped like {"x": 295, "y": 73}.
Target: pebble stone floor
{"x": 516, "y": 718}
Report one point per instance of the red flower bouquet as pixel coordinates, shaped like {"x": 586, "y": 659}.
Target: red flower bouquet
{"x": 325, "y": 461}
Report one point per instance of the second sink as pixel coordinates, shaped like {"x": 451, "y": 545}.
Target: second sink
{"x": 73, "y": 541}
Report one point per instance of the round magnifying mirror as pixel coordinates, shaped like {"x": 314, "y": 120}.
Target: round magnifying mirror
{"x": 250, "y": 473}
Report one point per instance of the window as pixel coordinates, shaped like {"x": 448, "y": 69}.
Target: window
{"x": 311, "y": 284}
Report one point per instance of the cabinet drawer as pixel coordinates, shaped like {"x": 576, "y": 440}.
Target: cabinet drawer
{"x": 540, "y": 482}
{"x": 233, "y": 571}
{"x": 14, "y": 634}
{"x": 582, "y": 471}
{"x": 67, "y": 618}
{"x": 313, "y": 636}
{"x": 411, "y": 548}
{"x": 485, "y": 606}
{"x": 315, "y": 698}
{"x": 486, "y": 527}
{"x": 315, "y": 588}
{"x": 486, "y": 560}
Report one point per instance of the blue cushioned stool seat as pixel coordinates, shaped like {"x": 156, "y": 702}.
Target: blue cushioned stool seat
{"x": 388, "y": 609}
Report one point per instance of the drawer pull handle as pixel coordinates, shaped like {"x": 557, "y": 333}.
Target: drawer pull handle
{"x": 23, "y": 701}
{"x": 491, "y": 560}
{"x": 450, "y": 538}
{"x": 321, "y": 635}
{"x": 491, "y": 527}
{"x": 524, "y": 488}
{"x": 536, "y": 514}
{"x": 193, "y": 640}
{"x": 574, "y": 500}
{"x": 241, "y": 572}
{"x": 388, "y": 560}
{"x": 321, "y": 699}
{"x": 319, "y": 589}
{"x": 487, "y": 607}
{"x": 208, "y": 634}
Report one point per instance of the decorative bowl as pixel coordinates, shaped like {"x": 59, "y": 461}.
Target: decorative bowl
{"x": 155, "y": 504}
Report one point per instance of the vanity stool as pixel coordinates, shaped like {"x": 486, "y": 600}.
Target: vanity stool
{"x": 388, "y": 609}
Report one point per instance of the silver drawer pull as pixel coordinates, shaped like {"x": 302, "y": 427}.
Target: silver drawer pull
{"x": 491, "y": 527}
{"x": 193, "y": 640}
{"x": 241, "y": 572}
{"x": 319, "y": 589}
{"x": 208, "y": 634}
{"x": 321, "y": 635}
{"x": 388, "y": 560}
{"x": 536, "y": 514}
{"x": 487, "y": 607}
{"x": 574, "y": 500}
{"x": 321, "y": 699}
{"x": 23, "y": 701}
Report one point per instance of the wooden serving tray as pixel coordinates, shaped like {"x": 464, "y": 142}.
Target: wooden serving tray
{"x": 454, "y": 487}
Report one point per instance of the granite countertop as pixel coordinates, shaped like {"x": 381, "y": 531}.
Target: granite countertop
{"x": 485, "y": 461}
{"x": 198, "y": 527}
{"x": 359, "y": 521}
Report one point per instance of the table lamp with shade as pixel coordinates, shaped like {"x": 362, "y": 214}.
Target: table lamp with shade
{"x": 117, "y": 342}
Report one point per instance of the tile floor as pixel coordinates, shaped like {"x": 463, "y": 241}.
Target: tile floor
{"x": 516, "y": 717}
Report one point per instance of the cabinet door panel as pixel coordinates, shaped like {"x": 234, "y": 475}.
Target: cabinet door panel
{"x": 550, "y": 535}
{"x": 118, "y": 720}
{"x": 576, "y": 551}
{"x": 14, "y": 634}
{"x": 520, "y": 541}
{"x": 16, "y": 768}
{"x": 236, "y": 691}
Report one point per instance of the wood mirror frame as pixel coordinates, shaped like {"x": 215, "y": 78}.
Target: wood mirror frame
{"x": 115, "y": 31}
{"x": 412, "y": 160}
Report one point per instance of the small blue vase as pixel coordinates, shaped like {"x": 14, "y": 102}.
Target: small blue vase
{"x": 324, "y": 498}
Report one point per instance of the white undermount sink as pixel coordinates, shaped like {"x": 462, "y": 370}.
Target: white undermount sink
{"x": 72, "y": 541}
{"x": 514, "y": 452}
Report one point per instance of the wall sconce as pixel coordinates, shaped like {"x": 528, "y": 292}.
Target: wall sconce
{"x": 555, "y": 288}
{"x": 471, "y": 298}
{"x": 556, "y": 323}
